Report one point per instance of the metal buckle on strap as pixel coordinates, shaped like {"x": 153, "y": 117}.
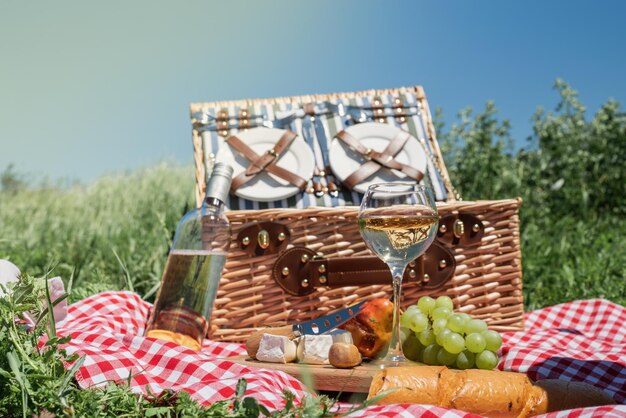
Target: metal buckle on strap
{"x": 272, "y": 152}
{"x": 222, "y": 122}
{"x": 367, "y": 154}
{"x": 378, "y": 110}
{"x": 244, "y": 119}
{"x": 399, "y": 110}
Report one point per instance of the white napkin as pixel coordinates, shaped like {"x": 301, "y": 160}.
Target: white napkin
{"x": 10, "y": 273}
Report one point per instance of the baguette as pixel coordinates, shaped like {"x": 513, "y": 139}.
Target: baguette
{"x": 490, "y": 393}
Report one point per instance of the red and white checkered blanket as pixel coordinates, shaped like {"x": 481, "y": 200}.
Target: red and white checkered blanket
{"x": 582, "y": 341}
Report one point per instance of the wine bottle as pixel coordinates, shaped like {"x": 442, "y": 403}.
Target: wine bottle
{"x": 194, "y": 266}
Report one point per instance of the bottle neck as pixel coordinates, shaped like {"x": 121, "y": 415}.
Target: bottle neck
{"x": 214, "y": 202}
{"x": 217, "y": 188}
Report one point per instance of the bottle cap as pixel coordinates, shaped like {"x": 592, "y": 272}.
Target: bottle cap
{"x": 219, "y": 182}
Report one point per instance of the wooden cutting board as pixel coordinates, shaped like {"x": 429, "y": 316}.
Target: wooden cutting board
{"x": 322, "y": 377}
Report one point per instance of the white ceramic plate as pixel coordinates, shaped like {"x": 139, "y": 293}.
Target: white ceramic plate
{"x": 344, "y": 161}
{"x": 265, "y": 187}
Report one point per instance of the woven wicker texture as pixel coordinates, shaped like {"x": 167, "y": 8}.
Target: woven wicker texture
{"x": 487, "y": 283}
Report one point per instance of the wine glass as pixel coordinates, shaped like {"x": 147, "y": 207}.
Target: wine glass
{"x": 398, "y": 222}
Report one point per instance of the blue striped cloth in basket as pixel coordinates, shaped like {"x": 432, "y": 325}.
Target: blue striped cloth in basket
{"x": 333, "y": 123}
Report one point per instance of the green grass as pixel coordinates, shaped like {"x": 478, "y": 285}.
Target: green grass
{"x": 115, "y": 234}
{"x": 112, "y": 234}
{"x": 567, "y": 259}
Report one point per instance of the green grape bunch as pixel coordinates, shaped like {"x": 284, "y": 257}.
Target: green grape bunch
{"x": 432, "y": 333}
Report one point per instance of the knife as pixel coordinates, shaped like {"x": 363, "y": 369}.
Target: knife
{"x": 309, "y": 136}
{"x": 316, "y": 326}
{"x": 322, "y": 141}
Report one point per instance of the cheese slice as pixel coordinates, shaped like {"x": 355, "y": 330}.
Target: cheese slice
{"x": 313, "y": 349}
{"x": 341, "y": 336}
{"x": 276, "y": 349}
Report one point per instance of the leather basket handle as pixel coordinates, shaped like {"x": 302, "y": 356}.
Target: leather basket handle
{"x": 299, "y": 271}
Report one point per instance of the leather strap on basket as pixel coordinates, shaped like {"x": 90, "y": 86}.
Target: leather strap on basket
{"x": 265, "y": 162}
{"x": 460, "y": 229}
{"x": 378, "y": 160}
{"x": 299, "y": 271}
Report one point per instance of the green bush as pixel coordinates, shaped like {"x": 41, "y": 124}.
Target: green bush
{"x": 579, "y": 167}
{"x": 478, "y": 153}
{"x": 572, "y": 180}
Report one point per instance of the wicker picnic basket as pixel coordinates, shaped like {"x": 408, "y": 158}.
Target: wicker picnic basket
{"x": 477, "y": 259}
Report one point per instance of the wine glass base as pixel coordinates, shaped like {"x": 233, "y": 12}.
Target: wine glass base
{"x": 393, "y": 361}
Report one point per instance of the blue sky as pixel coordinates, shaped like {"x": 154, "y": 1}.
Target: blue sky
{"x": 94, "y": 88}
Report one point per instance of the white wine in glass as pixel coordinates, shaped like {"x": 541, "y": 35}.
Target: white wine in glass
{"x": 398, "y": 222}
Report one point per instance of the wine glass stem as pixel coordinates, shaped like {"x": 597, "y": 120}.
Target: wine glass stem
{"x": 395, "y": 344}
